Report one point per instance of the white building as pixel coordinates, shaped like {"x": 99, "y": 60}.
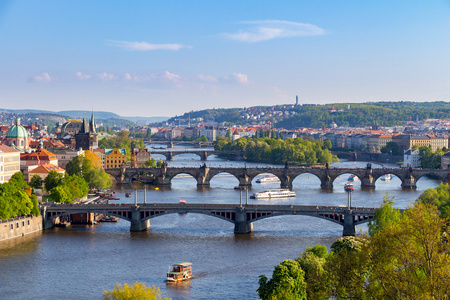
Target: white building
{"x": 9, "y": 162}
{"x": 411, "y": 158}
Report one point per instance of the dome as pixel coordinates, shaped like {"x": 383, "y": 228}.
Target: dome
{"x": 17, "y": 131}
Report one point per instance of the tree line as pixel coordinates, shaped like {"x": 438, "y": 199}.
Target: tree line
{"x": 403, "y": 256}
{"x": 297, "y": 151}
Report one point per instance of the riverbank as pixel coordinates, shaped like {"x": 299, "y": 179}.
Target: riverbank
{"x": 19, "y": 227}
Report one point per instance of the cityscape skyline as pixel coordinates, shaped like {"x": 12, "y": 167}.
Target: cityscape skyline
{"x": 168, "y": 58}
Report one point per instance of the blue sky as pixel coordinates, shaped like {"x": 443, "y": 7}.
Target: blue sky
{"x": 163, "y": 58}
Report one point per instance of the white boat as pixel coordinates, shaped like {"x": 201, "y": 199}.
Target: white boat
{"x": 353, "y": 178}
{"x": 276, "y": 193}
{"x": 268, "y": 179}
{"x": 179, "y": 272}
{"x": 386, "y": 177}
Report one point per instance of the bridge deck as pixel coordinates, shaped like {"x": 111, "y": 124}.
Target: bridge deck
{"x": 205, "y": 207}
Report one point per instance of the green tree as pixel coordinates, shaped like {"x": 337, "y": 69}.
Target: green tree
{"x": 327, "y": 144}
{"x": 151, "y": 163}
{"x": 52, "y": 180}
{"x": 79, "y": 165}
{"x": 60, "y": 194}
{"x": 312, "y": 262}
{"x": 385, "y": 216}
{"x": 136, "y": 291}
{"x": 97, "y": 178}
{"x": 287, "y": 282}
{"x": 36, "y": 181}
{"x": 391, "y": 148}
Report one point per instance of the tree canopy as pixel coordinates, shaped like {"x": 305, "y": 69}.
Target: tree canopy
{"x": 136, "y": 291}
{"x": 15, "y": 201}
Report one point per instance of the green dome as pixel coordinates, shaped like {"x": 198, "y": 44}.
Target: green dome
{"x": 17, "y": 131}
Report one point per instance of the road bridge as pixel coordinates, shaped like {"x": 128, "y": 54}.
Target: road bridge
{"x": 242, "y": 217}
{"x": 203, "y": 174}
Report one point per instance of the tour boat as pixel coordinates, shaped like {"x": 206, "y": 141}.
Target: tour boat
{"x": 179, "y": 272}
{"x": 353, "y": 178}
{"x": 268, "y": 179}
{"x": 276, "y": 193}
{"x": 348, "y": 187}
{"x": 386, "y": 177}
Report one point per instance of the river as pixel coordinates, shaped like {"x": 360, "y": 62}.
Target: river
{"x": 80, "y": 262}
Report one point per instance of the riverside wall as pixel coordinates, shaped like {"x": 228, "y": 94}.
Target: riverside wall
{"x": 19, "y": 227}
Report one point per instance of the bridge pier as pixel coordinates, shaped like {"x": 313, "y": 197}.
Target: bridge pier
{"x": 241, "y": 226}
{"x": 286, "y": 182}
{"x": 409, "y": 183}
{"x": 326, "y": 183}
{"x": 136, "y": 223}
{"x": 47, "y": 223}
{"x": 367, "y": 182}
{"x": 349, "y": 224}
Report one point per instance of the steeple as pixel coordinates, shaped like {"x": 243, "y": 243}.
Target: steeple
{"x": 92, "y": 124}
{"x": 84, "y": 126}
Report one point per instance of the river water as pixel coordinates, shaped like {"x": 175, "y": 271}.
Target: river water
{"x": 80, "y": 262}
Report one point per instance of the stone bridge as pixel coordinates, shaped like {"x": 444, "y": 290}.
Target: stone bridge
{"x": 170, "y": 153}
{"x": 241, "y": 216}
{"x": 368, "y": 176}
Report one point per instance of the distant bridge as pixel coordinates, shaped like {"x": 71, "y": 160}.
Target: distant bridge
{"x": 203, "y": 175}
{"x": 170, "y": 144}
{"x": 170, "y": 153}
{"x": 241, "y": 216}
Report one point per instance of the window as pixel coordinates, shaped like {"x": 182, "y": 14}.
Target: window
{"x": 11, "y": 226}
{"x": 17, "y": 225}
{"x": 28, "y": 221}
{"x": 23, "y": 223}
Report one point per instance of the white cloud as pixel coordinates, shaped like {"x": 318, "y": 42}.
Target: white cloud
{"x": 45, "y": 77}
{"x": 237, "y": 78}
{"x": 272, "y": 29}
{"x": 144, "y": 46}
{"x": 105, "y": 76}
{"x": 82, "y": 76}
{"x": 171, "y": 76}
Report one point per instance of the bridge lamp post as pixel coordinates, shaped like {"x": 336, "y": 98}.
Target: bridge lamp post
{"x": 135, "y": 197}
{"x": 240, "y": 202}
{"x": 349, "y": 200}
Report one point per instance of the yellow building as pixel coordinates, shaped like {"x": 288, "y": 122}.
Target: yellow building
{"x": 115, "y": 158}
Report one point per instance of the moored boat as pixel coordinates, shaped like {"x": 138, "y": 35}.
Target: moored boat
{"x": 275, "y": 193}
{"x": 348, "y": 187}
{"x": 386, "y": 177}
{"x": 268, "y": 179}
{"x": 353, "y": 178}
{"x": 179, "y": 272}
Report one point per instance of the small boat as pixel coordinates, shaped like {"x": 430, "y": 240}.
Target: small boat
{"x": 348, "y": 187}
{"x": 353, "y": 178}
{"x": 386, "y": 177}
{"x": 128, "y": 195}
{"x": 275, "y": 193}
{"x": 268, "y": 179}
{"x": 182, "y": 202}
{"x": 109, "y": 219}
{"x": 179, "y": 272}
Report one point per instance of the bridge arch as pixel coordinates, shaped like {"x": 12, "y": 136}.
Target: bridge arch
{"x": 229, "y": 218}
{"x": 178, "y": 153}
{"x": 124, "y": 215}
{"x": 214, "y": 178}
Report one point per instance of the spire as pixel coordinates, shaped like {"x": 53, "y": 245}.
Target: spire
{"x": 84, "y": 126}
{"x": 92, "y": 124}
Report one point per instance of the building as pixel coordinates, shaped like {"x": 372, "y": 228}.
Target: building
{"x": 9, "y": 162}
{"x": 87, "y": 138}
{"x": 100, "y": 152}
{"x": 115, "y": 158}
{"x": 44, "y": 170}
{"x": 445, "y": 161}
{"x": 65, "y": 155}
{"x": 17, "y": 136}
{"x": 411, "y": 158}
{"x": 406, "y": 141}
{"x": 139, "y": 156}
{"x": 209, "y": 132}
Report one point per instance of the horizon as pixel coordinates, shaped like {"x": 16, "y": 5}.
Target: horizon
{"x": 155, "y": 59}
